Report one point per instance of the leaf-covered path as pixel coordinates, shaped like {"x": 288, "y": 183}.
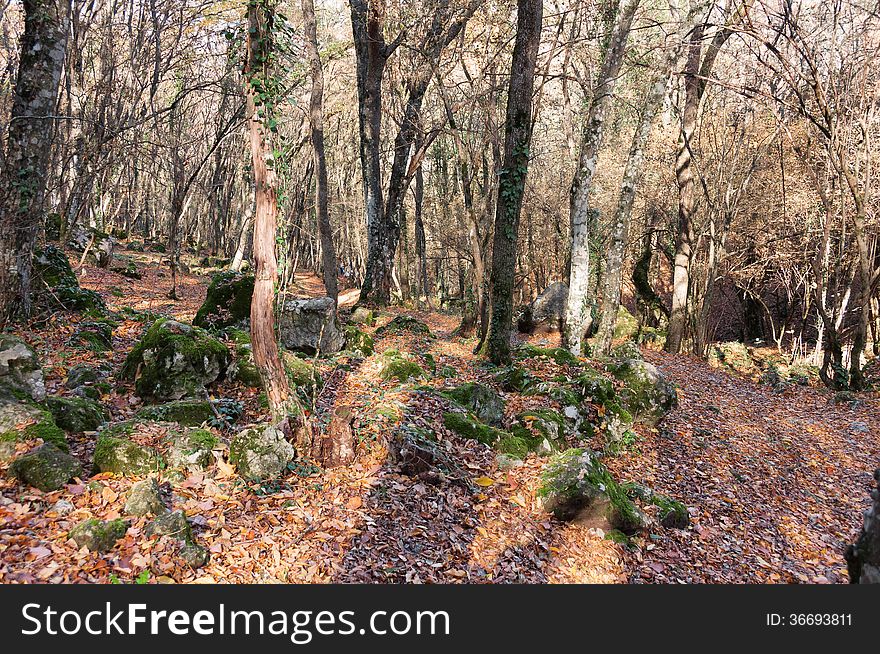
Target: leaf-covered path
{"x": 777, "y": 482}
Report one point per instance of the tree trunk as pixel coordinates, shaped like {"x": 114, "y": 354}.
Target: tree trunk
{"x": 367, "y": 21}
{"x": 265, "y": 347}
{"x": 635, "y": 164}
{"x": 28, "y": 148}
{"x": 517, "y": 138}
{"x": 316, "y": 115}
{"x": 578, "y": 314}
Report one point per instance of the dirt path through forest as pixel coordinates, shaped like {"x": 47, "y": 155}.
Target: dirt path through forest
{"x": 779, "y": 481}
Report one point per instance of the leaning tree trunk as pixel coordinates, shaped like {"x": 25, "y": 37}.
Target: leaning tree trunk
{"x": 517, "y": 138}
{"x": 28, "y": 148}
{"x": 316, "y": 116}
{"x": 635, "y": 164}
{"x": 265, "y": 347}
{"x": 578, "y": 314}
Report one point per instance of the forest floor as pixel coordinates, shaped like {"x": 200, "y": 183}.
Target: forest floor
{"x": 776, "y": 482}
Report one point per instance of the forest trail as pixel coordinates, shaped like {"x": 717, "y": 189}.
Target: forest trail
{"x": 779, "y": 480}
{"x": 776, "y": 482}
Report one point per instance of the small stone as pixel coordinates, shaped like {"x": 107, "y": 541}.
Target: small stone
{"x": 98, "y": 535}
{"x": 144, "y": 498}
{"x": 62, "y": 507}
{"x": 195, "y": 556}
{"x": 170, "y": 523}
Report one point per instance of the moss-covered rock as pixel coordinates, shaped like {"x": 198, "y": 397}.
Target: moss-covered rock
{"x": 193, "y": 555}
{"x": 516, "y": 379}
{"x": 115, "y": 452}
{"x": 76, "y": 414}
{"x": 627, "y": 350}
{"x": 52, "y": 267}
{"x": 21, "y": 376}
{"x": 144, "y": 498}
{"x": 97, "y": 535}
{"x": 575, "y": 485}
{"x": 175, "y": 361}
{"x": 261, "y": 452}
{"x": 481, "y": 400}
{"x": 88, "y": 381}
{"x": 302, "y": 374}
{"x": 513, "y": 446}
{"x": 190, "y": 449}
{"x": 45, "y": 467}
{"x": 544, "y": 428}
{"x": 397, "y": 366}
{"x": 468, "y": 426}
{"x": 26, "y": 421}
{"x": 627, "y": 326}
{"x": 95, "y": 336}
{"x": 646, "y": 393}
{"x": 405, "y": 324}
{"x": 358, "y": 341}
{"x": 170, "y": 523}
{"x": 363, "y": 316}
{"x": 228, "y": 301}
{"x": 671, "y": 513}
{"x": 188, "y": 413}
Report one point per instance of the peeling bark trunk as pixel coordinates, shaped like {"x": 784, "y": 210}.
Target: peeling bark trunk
{"x": 28, "y": 148}
{"x": 265, "y": 347}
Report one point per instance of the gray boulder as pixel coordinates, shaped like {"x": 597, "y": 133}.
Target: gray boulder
{"x": 310, "y": 326}
{"x": 261, "y": 452}
{"x": 546, "y": 311}
{"x": 647, "y": 394}
{"x": 20, "y": 373}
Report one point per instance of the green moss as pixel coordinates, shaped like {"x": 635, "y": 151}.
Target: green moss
{"x": 516, "y": 379}
{"x": 405, "y": 324}
{"x": 480, "y": 399}
{"x": 97, "y": 535}
{"x": 626, "y": 326}
{"x": 45, "y": 467}
{"x": 447, "y": 372}
{"x": 124, "y": 457}
{"x": 228, "y": 301}
{"x": 558, "y": 354}
{"x": 358, "y": 341}
{"x": 189, "y": 413}
{"x": 43, "y": 427}
{"x": 301, "y": 373}
{"x": 363, "y": 316}
{"x": 513, "y": 446}
{"x": 672, "y": 513}
{"x": 396, "y": 366}
{"x": 468, "y": 426}
{"x": 576, "y": 479}
{"x": 75, "y": 414}
{"x": 173, "y": 361}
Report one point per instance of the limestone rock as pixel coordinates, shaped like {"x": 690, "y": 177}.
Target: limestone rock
{"x": 175, "y": 361}
{"x": 261, "y": 452}
{"x": 310, "y": 326}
